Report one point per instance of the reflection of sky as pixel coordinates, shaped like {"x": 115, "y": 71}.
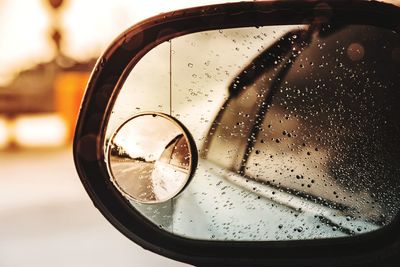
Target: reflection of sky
{"x": 146, "y": 136}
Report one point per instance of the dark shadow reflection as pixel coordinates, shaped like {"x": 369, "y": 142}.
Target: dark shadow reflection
{"x": 317, "y": 115}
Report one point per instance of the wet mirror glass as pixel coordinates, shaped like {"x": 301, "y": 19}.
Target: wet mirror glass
{"x": 150, "y": 158}
{"x": 296, "y": 129}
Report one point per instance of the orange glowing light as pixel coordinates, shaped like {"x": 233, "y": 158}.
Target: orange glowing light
{"x": 69, "y": 89}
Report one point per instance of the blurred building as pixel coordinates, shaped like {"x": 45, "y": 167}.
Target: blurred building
{"x": 37, "y": 90}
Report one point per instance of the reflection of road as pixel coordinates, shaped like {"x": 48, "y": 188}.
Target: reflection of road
{"x": 134, "y": 177}
{"x": 148, "y": 181}
{"x": 47, "y": 219}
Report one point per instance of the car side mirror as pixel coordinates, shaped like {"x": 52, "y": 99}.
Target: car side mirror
{"x": 250, "y": 133}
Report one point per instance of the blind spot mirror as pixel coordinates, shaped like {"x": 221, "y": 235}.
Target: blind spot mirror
{"x": 150, "y": 158}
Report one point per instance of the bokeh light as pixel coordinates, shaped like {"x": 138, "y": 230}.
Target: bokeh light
{"x": 40, "y": 130}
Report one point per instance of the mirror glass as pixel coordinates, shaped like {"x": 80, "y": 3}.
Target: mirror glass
{"x": 150, "y": 158}
{"x": 296, "y": 128}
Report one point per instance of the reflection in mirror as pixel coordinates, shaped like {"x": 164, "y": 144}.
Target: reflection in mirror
{"x": 297, "y": 129}
{"x": 150, "y": 158}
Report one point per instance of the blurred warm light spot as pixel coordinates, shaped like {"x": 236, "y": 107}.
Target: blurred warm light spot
{"x": 45, "y": 130}
{"x": 4, "y": 133}
{"x": 355, "y": 51}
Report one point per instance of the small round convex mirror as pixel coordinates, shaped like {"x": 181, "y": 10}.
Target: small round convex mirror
{"x": 151, "y": 158}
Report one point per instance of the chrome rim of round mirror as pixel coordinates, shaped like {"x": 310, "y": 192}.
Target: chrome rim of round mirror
{"x": 151, "y": 158}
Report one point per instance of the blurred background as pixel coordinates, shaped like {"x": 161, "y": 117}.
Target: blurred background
{"x": 48, "y": 49}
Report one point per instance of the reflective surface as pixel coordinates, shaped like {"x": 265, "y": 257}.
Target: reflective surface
{"x": 150, "y": 158}
{"x": 297, "y": 129}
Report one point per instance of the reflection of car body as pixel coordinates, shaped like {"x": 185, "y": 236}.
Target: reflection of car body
{"x": 176, "y": 153}
{"x": 171, "y": 168}
{"x": 287, "y": 137}
{"x": 282, "y": 150}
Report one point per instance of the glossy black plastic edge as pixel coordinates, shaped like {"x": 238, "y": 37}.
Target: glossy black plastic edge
{"x": 379, "y": 247}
